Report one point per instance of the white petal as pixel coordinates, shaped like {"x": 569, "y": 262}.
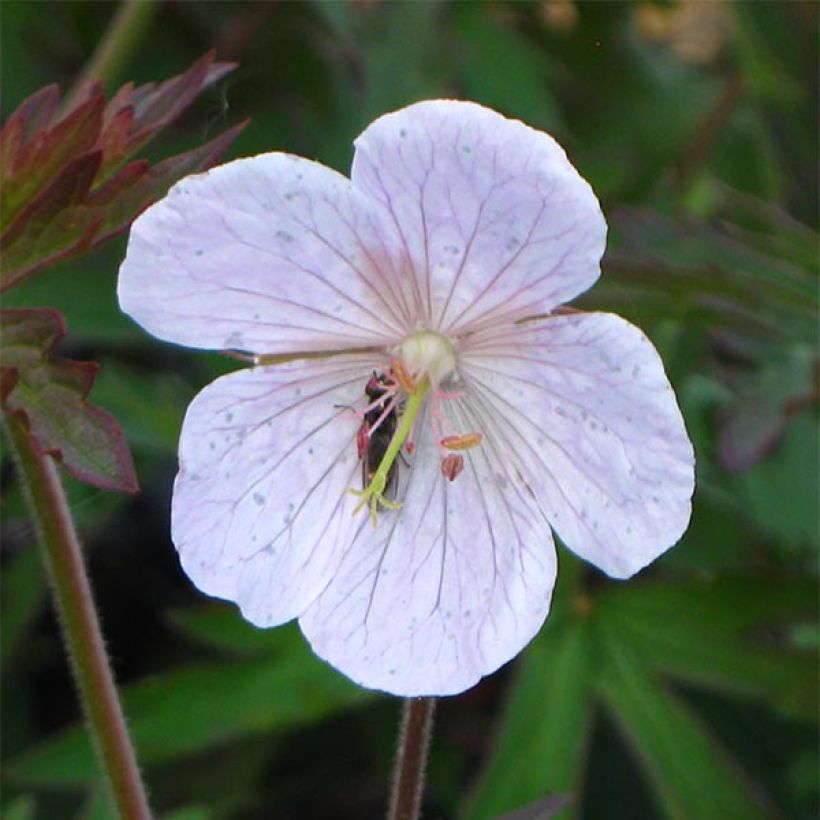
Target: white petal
{"x": 583, "y": 403}
{"x": 271, "y": 254}
{"x": 444, "y": 590}
{"x": 261, "y": 508}
{"x": 494, "y": 217}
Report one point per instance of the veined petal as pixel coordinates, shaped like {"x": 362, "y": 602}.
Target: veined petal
{"x": 271, "y": 254}
{"x": 584, "y": 405}
{"x": 492, "y": 214}
{"x": 261, "y": 511}
{"x": 444, "y": 590}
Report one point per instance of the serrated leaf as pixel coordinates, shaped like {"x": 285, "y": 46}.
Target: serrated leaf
{"x": 692, "y": 774}
{"x": 68, "y": 186}
{"x": 545, "y": 726}
{"x": 194, "y": 708}
{"x": 41, "y": 159}
{"x": 49, "y": 392}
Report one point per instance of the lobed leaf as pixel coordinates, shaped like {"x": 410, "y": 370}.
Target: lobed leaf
{"x": 692, "y": 774}
{"x": 49, "y": 392}
{"x": 68, "y": 185}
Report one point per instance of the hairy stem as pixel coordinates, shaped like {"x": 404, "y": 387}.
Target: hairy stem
{"x": 124, "y": 32}
{"x": 81, "y": 628}
{"x": 411, "y": 758}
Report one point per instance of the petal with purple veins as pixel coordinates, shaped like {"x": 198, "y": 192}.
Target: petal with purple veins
{"x": 497, "y": 222}
{"x": 271, "y": 254}
{"x": 445, "y": 589}
{"x": 261, "y": 508}
{"x": 583, "y": 405}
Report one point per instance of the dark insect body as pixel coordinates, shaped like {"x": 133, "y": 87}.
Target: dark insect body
{"x": 373, "y": 444}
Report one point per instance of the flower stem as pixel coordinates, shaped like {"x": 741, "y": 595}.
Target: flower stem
{"x": 81, "y": 628}
{"x": 124, "y": 32}
{"x": 411, "y": 758}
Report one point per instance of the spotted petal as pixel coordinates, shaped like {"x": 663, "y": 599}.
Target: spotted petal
{"x": 271, "y": 254}
{"x": 444, "y": 590}
{"x": 583, "y": 403}
{"x": 260, "y": 509}
{"x": 495, "y": 219}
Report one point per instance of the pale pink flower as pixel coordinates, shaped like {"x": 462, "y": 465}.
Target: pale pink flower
{"x": 456, "y": 225}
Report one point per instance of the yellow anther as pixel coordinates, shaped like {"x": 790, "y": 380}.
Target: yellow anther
{"x": 466, "y": 441}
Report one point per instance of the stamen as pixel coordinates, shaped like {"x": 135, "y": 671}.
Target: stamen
{"x": 452, "y": 465}
{"x": 465, "y": 441}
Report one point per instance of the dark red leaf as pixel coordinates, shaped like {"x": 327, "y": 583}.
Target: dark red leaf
{"x": 121, "y": 180}
{"x": 36, "y": 111}
{"x": 43, "y": 157}
{"x": 69, "y": 188}
{"x": 49, "y": 392}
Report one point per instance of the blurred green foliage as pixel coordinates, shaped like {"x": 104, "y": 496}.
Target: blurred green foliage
{"x": 689, "y": 692}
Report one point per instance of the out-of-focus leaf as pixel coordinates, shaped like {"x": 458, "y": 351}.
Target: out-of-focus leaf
{"x": 23, "y": 587}
{"x": 723, "y": 633}
{"x": 195, "y": 708}
{"x": 780, "y": 494}
{"x": 542, "y": 738}
{"x": 544, "y": 809}
{"x": 692, "y": 270}
{"x": 221, "y": 627}
{"x": 23, "y": 808}
{"x": 148, "y": 405}
{"x": 692, "y": 775}
{"x": 66, "y": 185}
{"x": 49, "y": 392}
{"x": 502, "y": 69}
{"x": 615, "y": 648}
{"x": 765, "y": 401}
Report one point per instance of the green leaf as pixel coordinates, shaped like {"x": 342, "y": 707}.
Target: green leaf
{"x": 23, "y": 586}
{"x": 501, "y": 68}
{"x": 49, "y": 392}
{"x": 692, "y": 774}
{"x": 195, "y": 708}
{"x": 546, "y": 723}
{"x": 23, "y": 808}
{"x": 725, "y": 634}
{"x": 220, "y": 626}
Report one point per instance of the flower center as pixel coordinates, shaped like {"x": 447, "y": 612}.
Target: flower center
{"x": 423, "y": 363}
{"x": 425, "y": 354}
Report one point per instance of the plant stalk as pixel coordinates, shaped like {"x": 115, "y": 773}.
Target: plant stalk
{"x": 411, "y": 758}
{"x": 124, "y": 32}
{"x": 78, "y": 617}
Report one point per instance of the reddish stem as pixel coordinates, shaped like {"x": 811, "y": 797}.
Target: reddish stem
{"x": 78, "y": 617}
{"x": 411, "y": 758}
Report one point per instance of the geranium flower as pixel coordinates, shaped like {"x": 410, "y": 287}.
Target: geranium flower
{"x": 394, "y": 484}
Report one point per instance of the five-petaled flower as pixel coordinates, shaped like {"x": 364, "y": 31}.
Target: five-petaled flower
{"x": 418, "y": 303}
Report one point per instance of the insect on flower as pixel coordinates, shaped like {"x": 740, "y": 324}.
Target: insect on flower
{"x": 377, "y": 431}
{"x": 448, "y": 253}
